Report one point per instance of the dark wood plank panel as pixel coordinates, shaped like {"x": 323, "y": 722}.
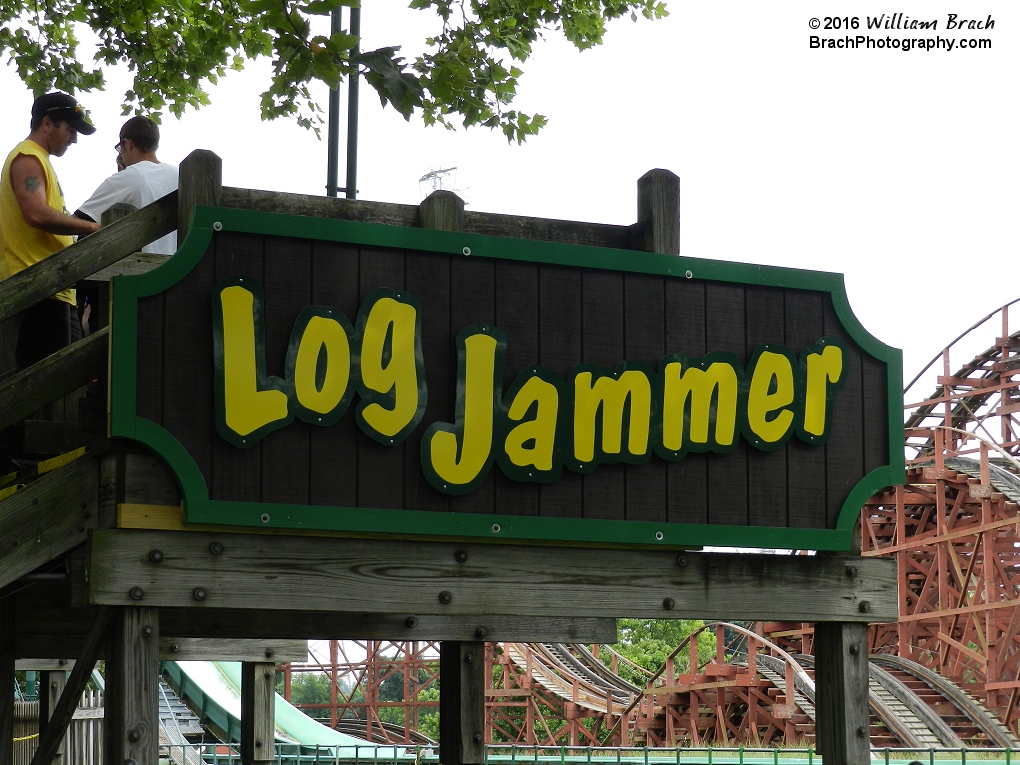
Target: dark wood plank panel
{"x": 188, "y": 409}
{"x": 875, "y": 413}
{"x": 517, "y": 314}
{"x": 428, "y": 279}
{"x": 766, "y": 471}
{"x": 333, "y": 451}
{"x": 687, "y": 480}
{"x": 806, "y": 463}
{"x": 378, "y": 465}
{"x": 725, "y": 324}
{"x": 237, "y": 473}
{"x": 644, "y": 312}
{"x": 553, "y": 315}
{"x": 605, "y": 489}
{"x": 288, "y": 286}
{"x": 559, "y": 301}
{"x": 149, "y": 399}
{"x": 472, "y": 301}
{"x": 844, "y": 452}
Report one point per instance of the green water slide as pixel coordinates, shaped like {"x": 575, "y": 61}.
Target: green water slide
{"x": 212, "y": 689}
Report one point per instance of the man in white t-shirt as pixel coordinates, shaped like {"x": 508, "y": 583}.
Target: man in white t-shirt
{"x": 143, "y": 180}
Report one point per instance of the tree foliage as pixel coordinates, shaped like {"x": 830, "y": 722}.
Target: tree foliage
{"x": 648, "y": 642}
{"x": 176, "y": 48}
{"x": 307, "y": 688}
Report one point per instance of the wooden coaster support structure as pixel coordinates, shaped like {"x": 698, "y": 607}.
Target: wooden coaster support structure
{"x": 953, "y": 526}
{"x": 139, "y": 571}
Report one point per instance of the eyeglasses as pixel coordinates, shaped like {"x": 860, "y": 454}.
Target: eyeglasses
{"x": 118, "y": 146}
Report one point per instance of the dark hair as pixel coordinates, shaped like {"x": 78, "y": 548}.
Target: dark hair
{"x": 37, "y": 120}
{"x": 142, "y": 131}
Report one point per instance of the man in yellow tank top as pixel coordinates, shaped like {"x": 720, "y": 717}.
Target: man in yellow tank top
{"x": 34, "y": 223}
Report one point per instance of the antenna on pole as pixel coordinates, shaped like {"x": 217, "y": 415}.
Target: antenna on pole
{"x": 438, "y": 178}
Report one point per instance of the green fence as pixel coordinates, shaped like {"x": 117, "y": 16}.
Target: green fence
{"x": 369, "y": 754}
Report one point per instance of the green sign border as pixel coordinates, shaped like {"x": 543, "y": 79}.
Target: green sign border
{"x": 198, "y": 508}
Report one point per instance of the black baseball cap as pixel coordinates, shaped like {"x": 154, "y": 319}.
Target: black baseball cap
{"x": 60, "y": 106}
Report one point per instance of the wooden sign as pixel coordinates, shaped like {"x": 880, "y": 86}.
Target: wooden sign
{"x": 315, "y": 374}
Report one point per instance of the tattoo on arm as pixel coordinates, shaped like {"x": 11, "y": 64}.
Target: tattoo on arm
{"x": 32, "y": 184}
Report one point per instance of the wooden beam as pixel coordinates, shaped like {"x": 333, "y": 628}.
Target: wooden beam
{"x": 38, "y": 637}
{"x": 841, "y": 693}
{"x": 131, "y": 729}
{"x": 489, "y": 224}
{"x": 200, "y": 570}
{"x": 258, "y": 701}
{"x": 171, "y": 649}
{"x": 64, "y": 372}
{"x": 462, "y": 702}
{"x": 226, "y": 649}
{"x": 136, "y": 264}
{"x": 47, "y": 518}
{"x": 49, "y": 741}
{"x": 45, "y": 665}
{"x": 87, "y": 256}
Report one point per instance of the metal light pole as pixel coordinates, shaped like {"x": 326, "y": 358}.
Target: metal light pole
{"x": 333, "y": 127}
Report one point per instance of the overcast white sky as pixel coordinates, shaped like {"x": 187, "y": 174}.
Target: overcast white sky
{"x": 899, "y": 169}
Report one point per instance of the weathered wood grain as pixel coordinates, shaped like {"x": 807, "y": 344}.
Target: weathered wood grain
{"x": 45, "y": 665}
{"x": 443, "y": 211}
{"x": 841, "y": 693}
{"x": 200, "y": 183}
{"x": 132, "y": 687}
{"x": 314, "y": 574}
{"x": 47, "y": 518}
{"x": 51, "y": 686}
{"x": 220, "y": 649}
{"x": 170, "y": 648}
{"x": 659, "y": 211}
{"x": 49, "y": 741}
{"x": 330, "y": 208}
{"x": 258, "y": 702}
{"x": 136, "y": 264}
{"x": 64, "y": 372}
{"x": 39, "y": 640}
{"x": 462, "y": 703}
{"x": 87, "y": 256}
{"x": 490, "y": 224}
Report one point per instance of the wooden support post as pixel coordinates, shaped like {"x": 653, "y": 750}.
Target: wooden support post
{"x": 51, "y": 686}
{"x": 442, "y": 211}
{"x": 49, "y": 740}
{"x": 258, "y": 725}
{"x": 7, "y": 676}
{"x": 659, "y": 211}
{"x": 131, "y": 728}
{"x": 201, "y": 183}
{"x": 461, "y": 663}
{"x": 462, "y": 702}
{"x": 841, "y": 688}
